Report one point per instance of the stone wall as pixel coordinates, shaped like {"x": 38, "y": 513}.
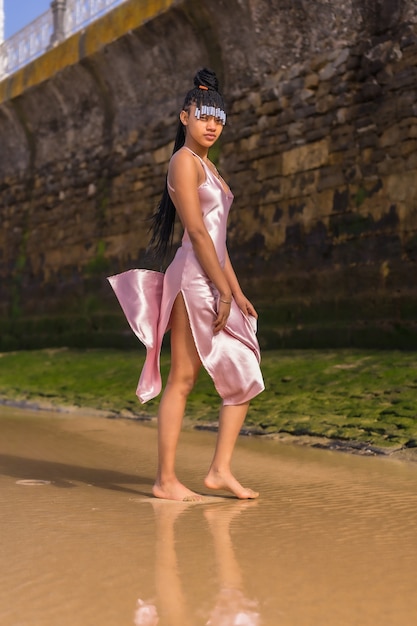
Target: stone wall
{"x": 320, "y": 150}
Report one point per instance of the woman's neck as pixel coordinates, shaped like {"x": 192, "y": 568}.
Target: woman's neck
{"x": 201, "y": 151}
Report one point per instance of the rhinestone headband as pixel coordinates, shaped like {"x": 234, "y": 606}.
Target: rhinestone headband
{"x": 212, "y": 112}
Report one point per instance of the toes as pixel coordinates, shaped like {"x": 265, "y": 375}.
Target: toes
{"x": 252, "y": 494}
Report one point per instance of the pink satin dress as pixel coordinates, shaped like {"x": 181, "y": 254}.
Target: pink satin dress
{"x": 232, "y": 356}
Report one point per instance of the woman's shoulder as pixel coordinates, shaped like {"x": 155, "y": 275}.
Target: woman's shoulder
{"x": 184, "y": 155}
{"x": 185, "y": 163}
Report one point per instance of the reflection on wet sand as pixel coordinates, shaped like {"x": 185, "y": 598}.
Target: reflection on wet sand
{"x": 230, "y": 607}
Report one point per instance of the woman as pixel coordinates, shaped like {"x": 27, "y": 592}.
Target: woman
{"x": 199, "y": 299}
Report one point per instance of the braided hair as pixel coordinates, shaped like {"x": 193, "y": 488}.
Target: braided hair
{"x": 205, "y": 93}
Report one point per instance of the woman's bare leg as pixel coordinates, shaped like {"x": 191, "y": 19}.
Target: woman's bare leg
{"x": 220, "y": 475}
{"x": 185, "y": 365}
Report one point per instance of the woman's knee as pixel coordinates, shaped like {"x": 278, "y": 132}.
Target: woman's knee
{"x": 183, "y": 383}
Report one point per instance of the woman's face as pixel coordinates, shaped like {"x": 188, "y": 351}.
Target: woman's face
{"x": 204, "y": 130}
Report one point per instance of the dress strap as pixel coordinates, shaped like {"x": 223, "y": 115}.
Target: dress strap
{"x": 205, "y": 166}
{"x": 194, "y": 153}
{"x": 209, "y": 171}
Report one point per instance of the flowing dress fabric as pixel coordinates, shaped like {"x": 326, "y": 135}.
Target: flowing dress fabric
{"x": 232, "y": 356}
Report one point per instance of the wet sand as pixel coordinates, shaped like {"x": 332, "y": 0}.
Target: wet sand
{"x": 331, "y": 541}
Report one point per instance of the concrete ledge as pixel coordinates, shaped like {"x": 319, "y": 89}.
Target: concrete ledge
{"x": 110, "y": 27}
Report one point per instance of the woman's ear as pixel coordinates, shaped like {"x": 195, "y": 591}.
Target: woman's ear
{"x": 184, "y": 117}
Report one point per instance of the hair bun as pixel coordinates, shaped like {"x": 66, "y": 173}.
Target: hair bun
{"x": 207, "y": 78}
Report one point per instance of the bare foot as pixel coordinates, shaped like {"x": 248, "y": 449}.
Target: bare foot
{"x": 175, "y": 490}
{"x": 226, "y": 481}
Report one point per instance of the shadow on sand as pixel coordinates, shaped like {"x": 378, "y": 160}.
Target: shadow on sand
{"x": 66, "y": 476}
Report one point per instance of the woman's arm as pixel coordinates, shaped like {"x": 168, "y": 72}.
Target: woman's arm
{"x": 185, "y": 176}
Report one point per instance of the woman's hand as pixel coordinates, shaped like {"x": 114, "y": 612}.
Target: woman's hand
{"x": 246, "y": 306}
{"x": 223, "y": 312}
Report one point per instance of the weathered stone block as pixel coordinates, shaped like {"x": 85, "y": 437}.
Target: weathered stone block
{"x": 391, "y": 136}
{"x": 302, "y": 112}
{"x": 342, "y": 57}
{"x": 311, "y": 81}
{"x": 337, "y": 158}
{"x": 408, "y": 147}
{"x": 330, "y": 177}
{"x": 269, "y": 167}
{"x": 411, "y": 162}
{"x": 295, "y": 130}
{"x": 162, "y": 155}
{"x": 299, "y": 185}
{"x": 291, "y": 87}
{"x": 390, "y": 165}
{"x": 325, "y": 104}
{"x": 327, "y": 72}
{"x": 270, "y": 108}
{"x": 367, "y": 140}
{"x": 306, "y": 157}
{"x": 316, "y": 134}
{"x": 402, "y": 187}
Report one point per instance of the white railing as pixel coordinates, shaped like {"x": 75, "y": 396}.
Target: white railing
{"x": 79, "y": 13}
{"x": 35, "y": 38}
{"x": 26, "y": 45}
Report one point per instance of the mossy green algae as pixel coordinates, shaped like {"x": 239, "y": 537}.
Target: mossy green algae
{"x": 351, "y": 395}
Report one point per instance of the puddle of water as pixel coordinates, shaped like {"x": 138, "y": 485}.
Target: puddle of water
{"x": 33, "y": 482}
{"x": 331, "y": 541}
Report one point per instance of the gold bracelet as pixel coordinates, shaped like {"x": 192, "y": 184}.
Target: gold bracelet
{"x": 226, "y": 301}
